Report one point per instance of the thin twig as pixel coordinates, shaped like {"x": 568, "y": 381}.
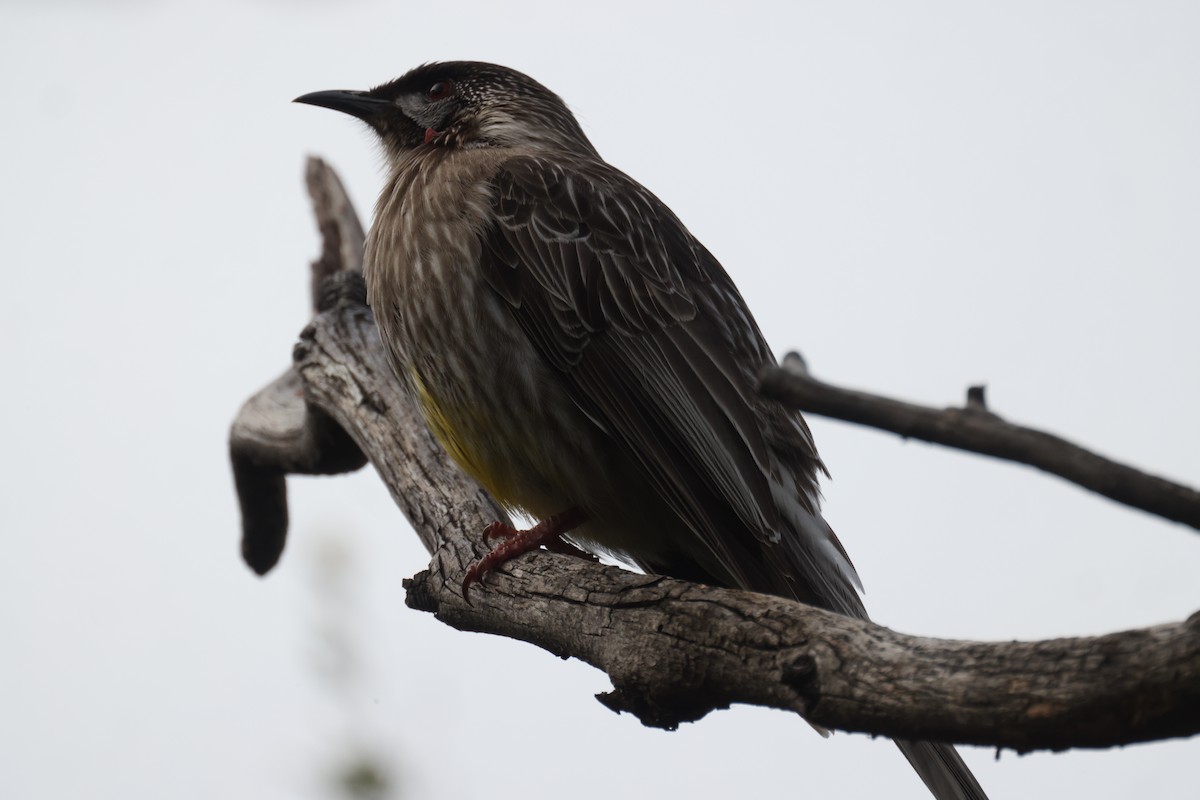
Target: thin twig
{"x": 978, "y": 430}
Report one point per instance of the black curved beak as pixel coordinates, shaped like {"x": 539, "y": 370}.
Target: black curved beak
{"x": 356, "y": 104}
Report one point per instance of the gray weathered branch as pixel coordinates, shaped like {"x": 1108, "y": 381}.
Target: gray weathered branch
{"x": 674, "y": 650}
{"x": 978, "y": 430}
{"x": 277, "y": 432}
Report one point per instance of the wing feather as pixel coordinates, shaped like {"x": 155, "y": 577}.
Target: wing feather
{"x": 655, "y": 344}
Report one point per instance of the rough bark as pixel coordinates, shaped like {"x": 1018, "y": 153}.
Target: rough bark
{"x": 674, "y": 650}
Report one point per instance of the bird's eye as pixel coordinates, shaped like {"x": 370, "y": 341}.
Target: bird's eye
{"x": 440, "y": 90}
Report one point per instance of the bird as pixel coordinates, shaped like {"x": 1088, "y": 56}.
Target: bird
{"x": 584, "y": 357}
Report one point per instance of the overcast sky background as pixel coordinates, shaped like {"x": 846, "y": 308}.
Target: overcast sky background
{"x": 919, "y": 196}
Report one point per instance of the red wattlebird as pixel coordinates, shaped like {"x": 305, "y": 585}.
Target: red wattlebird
{"x": 579, "y": 353}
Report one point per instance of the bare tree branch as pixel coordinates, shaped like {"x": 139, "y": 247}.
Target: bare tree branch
{"x": 277, "y": 432}
{"x": 342, "y": 236}
{"x": 976, "y": 429}
{"x": 675, "y": 650}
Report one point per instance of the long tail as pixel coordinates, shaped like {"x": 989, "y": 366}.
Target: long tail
{"x": 817, "y": 555}
{"x": 942, "y": 769}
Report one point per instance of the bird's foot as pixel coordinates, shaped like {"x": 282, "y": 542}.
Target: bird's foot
{"x": 505, "y": 532}
{"x": 514, "y": 543}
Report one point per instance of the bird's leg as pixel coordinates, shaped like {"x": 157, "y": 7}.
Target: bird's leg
{"x": 504, "y": 531}
{"x": 515, "y": 543}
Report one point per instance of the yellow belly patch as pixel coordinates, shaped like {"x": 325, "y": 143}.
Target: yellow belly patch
{"x": 452, "y": 427}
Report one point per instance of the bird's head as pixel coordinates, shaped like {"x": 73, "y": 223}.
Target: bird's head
{"x": 460, "y": 104}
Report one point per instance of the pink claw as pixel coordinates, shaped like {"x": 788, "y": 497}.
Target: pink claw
{"x": 516, "y": 543}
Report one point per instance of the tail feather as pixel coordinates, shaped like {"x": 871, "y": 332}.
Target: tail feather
{"x": 942, "y": 769}
{"x": 815, "y": 553}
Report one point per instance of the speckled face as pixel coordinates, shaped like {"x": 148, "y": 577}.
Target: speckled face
{"x": 471, "y": 104}
{"x": 460, "y": 104}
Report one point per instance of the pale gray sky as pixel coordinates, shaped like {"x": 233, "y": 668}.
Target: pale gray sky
{"x": 918, "y": 196}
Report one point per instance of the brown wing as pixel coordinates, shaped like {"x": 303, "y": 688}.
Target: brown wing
{"x": 655, "y": 343}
